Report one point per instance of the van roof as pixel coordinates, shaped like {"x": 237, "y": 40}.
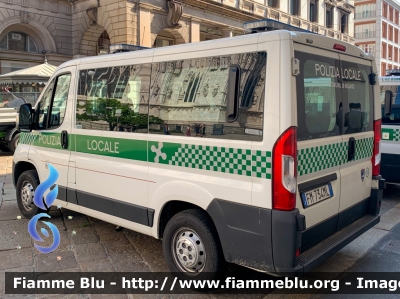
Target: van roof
{"x": 310, "y": 39}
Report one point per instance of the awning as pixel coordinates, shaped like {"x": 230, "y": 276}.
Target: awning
{"x": 38, "y": 74}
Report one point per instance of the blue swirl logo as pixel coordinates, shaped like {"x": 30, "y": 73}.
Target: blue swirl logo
{"x": 45, "y": 204}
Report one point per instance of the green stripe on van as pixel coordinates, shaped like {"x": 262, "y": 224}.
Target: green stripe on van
{"x": 389, "y": 134}
{"x": 322, "y": 157}
{"x": 236, "y": 161}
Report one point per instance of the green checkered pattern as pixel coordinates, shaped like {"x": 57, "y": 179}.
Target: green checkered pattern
{"x": 364, "y": 148}
{"x": 318, "y": 158}
{"x": 221, "y": 159}
{"x": 28, "y": 138}
{"x": 390, "y": 134}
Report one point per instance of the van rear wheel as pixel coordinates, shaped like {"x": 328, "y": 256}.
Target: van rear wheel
{"x": 191, "y": 246}
{"x": 26, "y": 186}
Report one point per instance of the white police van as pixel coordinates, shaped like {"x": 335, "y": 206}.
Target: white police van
{"x": 390, "y": 147}
{"x": 260, "y": 150}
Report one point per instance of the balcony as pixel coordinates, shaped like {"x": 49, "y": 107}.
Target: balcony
{"x": 367, "y": 34}
{"x": 364, "y": 15}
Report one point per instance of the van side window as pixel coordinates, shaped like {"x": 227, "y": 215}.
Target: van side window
{"x": 320, "y": 114}
{"x": 114, "y": 99}
{"x": 189, "y": 96}
{"x": 53, "y": 103}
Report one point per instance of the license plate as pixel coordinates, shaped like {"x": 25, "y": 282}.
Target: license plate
{"x": 316, "y": 195}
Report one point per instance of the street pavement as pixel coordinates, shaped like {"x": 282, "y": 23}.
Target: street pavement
{"x": 91, "y": 245}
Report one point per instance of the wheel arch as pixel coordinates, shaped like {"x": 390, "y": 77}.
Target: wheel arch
{"x": 19, "y": 168}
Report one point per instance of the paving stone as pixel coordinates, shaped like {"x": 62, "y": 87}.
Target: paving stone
{"x": 9, "y": 186}
{"x": 11, "y": 214}
{"x": 9, "y": 205}
{"x": 144, "y": 242}
{"x": 9, "y": 239}
{"x": 131, "y": 266}
{"x": 50, "y": 263}
{"x": 90, "y": 252}
{"x": 114, "y": 240}
{"x": 104, "y": 228}
{"x": 94, "y": 219}
{"x": 124, "y": 254}
{"x": 78, "y": 221}
{"x": 10, "y": 191}
{"x": 99, "y": 266}
{"x": 64, "y": 241}
{"x": 57, "y": 221}
{"x": 16, "y": 258}
{"x": 150, "y": 249}
{"x": 84, "y": 235}
{"x": 9, "y": 197}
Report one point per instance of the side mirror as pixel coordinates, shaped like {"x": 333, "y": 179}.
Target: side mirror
{"x": 25, "y": 118}
{"x": 232, "y": 103}
{"x": 388, "y": 102}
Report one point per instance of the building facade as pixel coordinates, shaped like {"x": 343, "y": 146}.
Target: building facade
{"x": 377, "y": 29}
{"x": 58, "y": 30}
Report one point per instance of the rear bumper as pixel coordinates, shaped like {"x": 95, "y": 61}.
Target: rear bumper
{"x": 323, "y": 250}
{"x": 267, "y": 240}
{"x": 390, "y": 168}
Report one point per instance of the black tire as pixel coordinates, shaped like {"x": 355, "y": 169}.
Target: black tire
{"x": 26, "y": 185}
{"x": 4, "y": 148}
{"x": 204, "y": 236}
{"x": 13, "y": 143}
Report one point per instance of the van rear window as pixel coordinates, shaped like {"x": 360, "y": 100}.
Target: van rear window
{"x": 334, "y": 97}
{"x": 317, "y": 102}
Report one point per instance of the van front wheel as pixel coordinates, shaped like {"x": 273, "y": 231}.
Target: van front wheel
{"x": 26, "y": 186}
{"x": 191, "y": 246}
{"x": 13, "y": 143}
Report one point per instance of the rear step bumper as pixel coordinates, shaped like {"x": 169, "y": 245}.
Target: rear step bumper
{"x": 320, "y": 252}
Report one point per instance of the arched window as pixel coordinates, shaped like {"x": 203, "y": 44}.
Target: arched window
{"x": 103, "y": 43}
{"x": 17, "y": 41}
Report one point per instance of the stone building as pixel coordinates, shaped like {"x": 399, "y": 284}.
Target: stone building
{"x": 59, "y": 30}
{"x": 377, "y": 31}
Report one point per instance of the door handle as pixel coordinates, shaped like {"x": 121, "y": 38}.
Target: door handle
{"x": 64, "y": 139}
{"x": 352, "y": 149}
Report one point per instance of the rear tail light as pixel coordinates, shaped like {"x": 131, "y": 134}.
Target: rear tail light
{"x": 298, "y": 252}
{"x": 284, "y": 171}
{"x": 376, "y": 154}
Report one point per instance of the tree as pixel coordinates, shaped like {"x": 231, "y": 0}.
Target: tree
{"x": 102, "y": 109}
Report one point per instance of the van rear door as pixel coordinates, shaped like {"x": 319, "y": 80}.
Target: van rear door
{"x": 358, "y": 108}
{"x": 320, "y": 143}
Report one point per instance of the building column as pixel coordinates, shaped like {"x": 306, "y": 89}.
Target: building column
{"x": 336, "y": 19}
{"x": 227, "y": 32}
{"x": 195, "y": 30}
{"x": 145, "y": 26}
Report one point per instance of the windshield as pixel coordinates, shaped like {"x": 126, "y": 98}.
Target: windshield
{"x": 394, "y": 117}
{"x": 394, "y": 89}
{"x": 16, "y": 99}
